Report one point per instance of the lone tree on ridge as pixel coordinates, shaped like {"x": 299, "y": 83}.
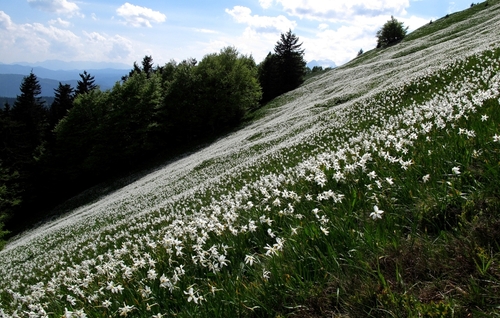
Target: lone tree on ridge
{"x": 392, "y": 32}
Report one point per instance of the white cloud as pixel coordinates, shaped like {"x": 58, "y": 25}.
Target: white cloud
{"x": 140, "y": 16}
{"x": 102, "y": 46}
{"x": 60, "y": 22}
{"x": 206, "y": 31}
{"x": 343, "y": 43}
{"x": 451, "y": 7}
{"x": 56, "y": 41}
{"x": 31, "y": 42}
{"x": 250, "y": 42}
{"x": 5, "y": 21}
{"x": 121, "y": 48}
{"x": 56, "y": 6}
{"x": 94, "y": 37}
{"x": 413, "y": 22}
{"x": 323, "y": 26}
{"x": 261, "y": 24}
{"x": 265, "y": 3}
{"x": 342, "y": 10}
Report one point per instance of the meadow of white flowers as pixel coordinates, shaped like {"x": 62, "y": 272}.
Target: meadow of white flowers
{"x": 169, "y": 234}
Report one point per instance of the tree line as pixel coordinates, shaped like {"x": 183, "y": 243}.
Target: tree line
{"x": 51, "y": 152}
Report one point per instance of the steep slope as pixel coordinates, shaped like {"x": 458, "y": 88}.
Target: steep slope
{"x": 183, "y": 239}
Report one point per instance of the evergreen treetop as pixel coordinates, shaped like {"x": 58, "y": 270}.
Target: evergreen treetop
{"x": 86, "y": 84}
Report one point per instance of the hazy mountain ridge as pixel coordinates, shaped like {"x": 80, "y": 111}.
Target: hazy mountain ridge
{"x": 11, "y": 76}
{"x": 10, "y": 85}
{"x": 322, "y": 63}
{"x": 58, "y": 65}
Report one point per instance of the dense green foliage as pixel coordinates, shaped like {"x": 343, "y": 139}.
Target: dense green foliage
{"x": 9, "y": 197}
{"x": 63, "y": 102}
{"x": 391, "y": 33}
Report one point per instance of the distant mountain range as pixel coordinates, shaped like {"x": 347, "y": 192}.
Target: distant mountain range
{"x": 322, "y": 63}
{"x": 10, "y": 84}
{"x": 11, "y": 75}
{"x": 58, "y": 65}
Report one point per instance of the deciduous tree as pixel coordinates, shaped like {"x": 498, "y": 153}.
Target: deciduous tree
{"x": 228, "y": 89}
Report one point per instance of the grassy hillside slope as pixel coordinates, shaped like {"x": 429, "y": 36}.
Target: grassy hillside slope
{"x": 369, "y": 191}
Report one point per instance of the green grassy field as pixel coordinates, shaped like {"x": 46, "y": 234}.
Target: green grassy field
{"x": 370, "y": 191}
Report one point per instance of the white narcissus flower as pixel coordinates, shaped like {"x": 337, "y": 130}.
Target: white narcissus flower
{"x": 377, "y": 213}
{"x": 67, "y": 313}
{"x": 191, "y": 295}
{"x": 324, "y": 230}
{"x": 249, "y": 259}
{"x": 265, "y": 274}
{"x": 107, "y": 303}
{"x": 125, "y": 310}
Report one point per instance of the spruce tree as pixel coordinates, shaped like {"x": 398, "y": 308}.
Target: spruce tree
{"x": 147, "y": 65}
{"x": 284, "y": 70}
{"x": 292, "y": 66}
{"x": 30, "y": 117}
{"x": 63, "y": 101}
{"x": 86, "y": 84}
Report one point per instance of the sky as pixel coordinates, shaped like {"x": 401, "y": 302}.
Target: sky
{"x": 124, "y": 32}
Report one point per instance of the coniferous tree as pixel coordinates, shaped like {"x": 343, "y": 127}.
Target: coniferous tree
{"x": 63, "y": 101}
{"x": 30, "y": 117}
{"x": 24, "y": 131}
{"x": 147, "y": 65}
{"x": 392, "y": 32}
{"x": 284, "y": 70}
{"x": 292, "y": 66}
{"x": 86, "y": 84}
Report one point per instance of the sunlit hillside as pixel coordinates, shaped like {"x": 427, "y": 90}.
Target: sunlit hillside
{"x": 371, "y": 190}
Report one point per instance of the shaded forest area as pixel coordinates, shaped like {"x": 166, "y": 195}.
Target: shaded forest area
{"x": 86, "y": 136}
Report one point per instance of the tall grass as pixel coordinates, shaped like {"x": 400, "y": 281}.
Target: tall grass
{"x": 370, "y": 200}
